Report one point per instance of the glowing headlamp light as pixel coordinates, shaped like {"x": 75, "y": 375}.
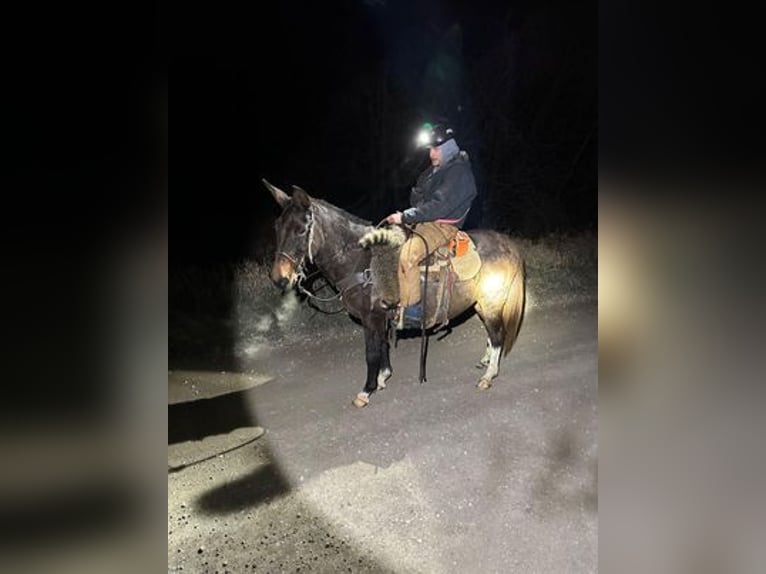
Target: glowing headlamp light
{"x": 424, "y": 138}
{"x": 424, "y": 135}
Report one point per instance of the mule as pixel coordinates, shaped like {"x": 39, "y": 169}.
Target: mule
{"x": 311, "y": 229}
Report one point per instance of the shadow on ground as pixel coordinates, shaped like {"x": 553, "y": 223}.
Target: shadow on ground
{"x": 195, "y": 420}
{"x": 277, "y": 530}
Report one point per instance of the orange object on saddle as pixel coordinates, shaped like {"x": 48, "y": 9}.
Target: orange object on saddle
{"x": 459, "y": 246}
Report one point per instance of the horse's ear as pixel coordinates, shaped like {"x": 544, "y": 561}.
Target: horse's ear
{"x": 280, "y": 196}
{"x": 301, "y": 197}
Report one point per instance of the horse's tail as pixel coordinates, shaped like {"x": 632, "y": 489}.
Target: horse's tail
{"x": 513, "y": 308}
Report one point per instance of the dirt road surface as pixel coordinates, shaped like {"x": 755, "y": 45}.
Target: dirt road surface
{"x": 433, "y": 477}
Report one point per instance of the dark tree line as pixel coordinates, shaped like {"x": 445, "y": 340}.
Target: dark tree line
{"x": 334, "y": 108}
{"x": 524, "y": 108}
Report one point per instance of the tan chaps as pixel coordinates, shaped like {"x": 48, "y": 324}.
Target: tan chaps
{"x": 413, "y": 252}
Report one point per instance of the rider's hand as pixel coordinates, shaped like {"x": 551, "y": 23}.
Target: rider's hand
{"x": 394, "y": 217}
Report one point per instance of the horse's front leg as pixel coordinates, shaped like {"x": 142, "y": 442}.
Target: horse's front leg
{"x": 385, "y": 371}
{"x": 376, "y": 354}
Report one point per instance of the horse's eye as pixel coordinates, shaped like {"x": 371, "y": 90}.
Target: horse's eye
{"x": 303, "y": 231}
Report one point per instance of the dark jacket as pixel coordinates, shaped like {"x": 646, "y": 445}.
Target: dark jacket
{"x": 444, "y": 193}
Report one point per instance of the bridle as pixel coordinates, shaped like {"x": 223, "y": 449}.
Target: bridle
{"x": 300, "y": 271}
{"x": 299, "y": 265}
{"x": 310, "y": 232}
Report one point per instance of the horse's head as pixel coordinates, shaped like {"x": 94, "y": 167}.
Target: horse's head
{"x": 293, "y": 234}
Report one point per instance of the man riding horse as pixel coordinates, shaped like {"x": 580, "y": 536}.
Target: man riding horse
{"x": 440, "y": 202}
{"x": 492, "y": 283}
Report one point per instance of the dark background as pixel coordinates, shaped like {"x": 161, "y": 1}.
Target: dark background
{"x": 328, "y": 96}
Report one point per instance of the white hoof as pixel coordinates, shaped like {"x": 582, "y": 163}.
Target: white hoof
{"x": 361, "y": 400}
{"x": 484, "y": 384}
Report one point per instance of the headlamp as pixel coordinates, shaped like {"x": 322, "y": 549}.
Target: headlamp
{"x": 424, "y": 138}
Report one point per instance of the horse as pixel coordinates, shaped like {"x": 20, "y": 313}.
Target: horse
{"x": 313, "y": 229}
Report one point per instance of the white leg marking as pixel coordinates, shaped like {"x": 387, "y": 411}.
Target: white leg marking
{"x": 485, "y": 359}
{"x": 487, "y": 353}
{"x": 492, "y": 367}
{"x": 383, "y": 376}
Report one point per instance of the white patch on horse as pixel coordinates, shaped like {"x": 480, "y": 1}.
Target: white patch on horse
{"x": 492, "y": 367}
{"x": 383, "y": 376}
{"x": 487, "y": 353}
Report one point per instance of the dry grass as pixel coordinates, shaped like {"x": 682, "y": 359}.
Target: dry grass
{"x": 561, "y": 269}
{"x": 221, "y": 313}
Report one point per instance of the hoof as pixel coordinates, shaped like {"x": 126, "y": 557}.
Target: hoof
{"x": 361, "y": 400}
{"x": 484, "y": 384}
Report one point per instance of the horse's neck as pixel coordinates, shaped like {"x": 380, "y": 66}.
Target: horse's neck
{"x": 338, "y": 254}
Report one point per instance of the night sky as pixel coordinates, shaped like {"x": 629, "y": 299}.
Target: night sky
{"x": 328, "y": 95}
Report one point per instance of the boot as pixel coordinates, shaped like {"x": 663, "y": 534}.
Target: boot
{"x": 410, "y": 317}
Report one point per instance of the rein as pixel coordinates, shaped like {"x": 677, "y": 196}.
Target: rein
{"x": 301, "y": 274}
{"x": 356, "y": 278}
{"x": 424, "y": 296}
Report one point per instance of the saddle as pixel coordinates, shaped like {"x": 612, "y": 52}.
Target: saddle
{"x": 459, "y": 254}
{"x": 457, "y": 261}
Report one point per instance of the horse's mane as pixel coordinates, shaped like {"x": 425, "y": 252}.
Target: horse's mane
{"x": 342, "y": 212}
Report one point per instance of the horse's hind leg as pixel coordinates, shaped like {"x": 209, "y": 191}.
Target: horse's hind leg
{"x": 482, "y": 364}
{"x": 491, "y": 360}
